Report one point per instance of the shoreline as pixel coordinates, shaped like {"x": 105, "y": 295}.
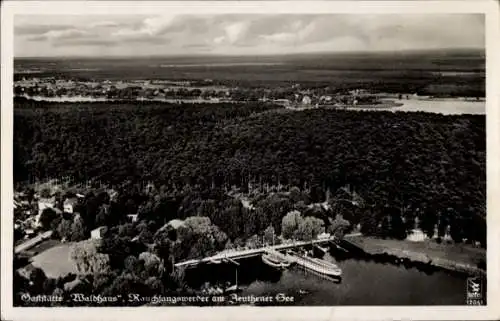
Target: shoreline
{"x": 84, "y": 99}
{"x": 384, "y": 105}
{"x": 397, "y": 252}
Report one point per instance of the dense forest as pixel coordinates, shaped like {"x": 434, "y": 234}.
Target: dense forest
{"x": 188, "y": 162}
{"x": 405, "y": 165}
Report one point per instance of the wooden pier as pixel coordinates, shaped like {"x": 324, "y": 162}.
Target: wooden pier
{"x": 233, "y": 255}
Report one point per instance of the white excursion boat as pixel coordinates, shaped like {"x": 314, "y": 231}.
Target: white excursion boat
{"x": 319, "y": 266}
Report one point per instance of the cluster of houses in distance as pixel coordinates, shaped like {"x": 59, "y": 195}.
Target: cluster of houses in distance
{"x": 201, "y": 91}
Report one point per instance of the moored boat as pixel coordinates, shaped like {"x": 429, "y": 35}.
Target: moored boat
{"x": 319, "y": 250}
{"x": 274, "y": 261}
{"x": 232, "y": 289}
{"x": 319, "y": 266}
{"x": 322, "y": 249}
{"x": 267, "y": 259}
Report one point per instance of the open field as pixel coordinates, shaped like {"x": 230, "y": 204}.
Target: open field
{"x": 452, "y": 256}
{"x": 55, "y": 262}
{"x": 429, "y": 72}
{"x": 44, "y": 246}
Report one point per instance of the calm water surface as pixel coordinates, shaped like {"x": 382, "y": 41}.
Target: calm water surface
{"x": 443, "y": 106}
{"x": 363, "y": 283}
{"x": 446, "y": 107}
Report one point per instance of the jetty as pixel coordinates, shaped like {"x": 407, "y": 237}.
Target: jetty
{"x": 234, "y": 255}
{"x": 246, "y": 253}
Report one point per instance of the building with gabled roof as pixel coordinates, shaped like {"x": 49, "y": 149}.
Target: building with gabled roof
{"x": 98, "y": 233}
{"x": 69, "y": 204}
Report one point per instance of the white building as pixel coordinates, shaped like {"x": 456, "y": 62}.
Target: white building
{"x": 326, "y": 99}
{"x": 306, "y": 100}
{"x": 69, "y": 205}
{"x": 133, "y": 217}
{"x": 98, "y": 233}
{"x": 324, "y": 235}
{"x": 282, "y": 102}
{"x": 44, "y": 203}
{"x": 416, "y": 235}
{"x": 113, "y": 195}
{"x": 175, "y": 223}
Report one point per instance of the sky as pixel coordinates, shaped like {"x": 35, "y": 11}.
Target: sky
{"x": 241, "y": 34}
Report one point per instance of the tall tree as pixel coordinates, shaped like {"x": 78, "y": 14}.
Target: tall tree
{"x": 309, "y": 229}
{"x": 64, "y": 229}
{"x": 290, "y": 224}
{"x": 78, "y": 229}
{"x": 46, "y": 218}
{"x": 338, "y": 227}
{"x": 269, "y": 235}
{"x": 84, "y": 254}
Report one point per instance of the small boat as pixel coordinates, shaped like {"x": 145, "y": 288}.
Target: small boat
{"x": 232, "y": 289}
{"x": 323, "y": 249}
{"x": 319, "y": 250}
{"x": 341, "y": 248}
{"x": 338, "y": 247}
{"x": 275, "y": 262}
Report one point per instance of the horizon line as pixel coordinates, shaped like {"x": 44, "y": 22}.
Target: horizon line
{"x": 483, "y": 50}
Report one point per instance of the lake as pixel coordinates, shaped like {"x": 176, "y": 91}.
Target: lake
{"x": 363, "y": 283}
{"x": 444, "y": 106}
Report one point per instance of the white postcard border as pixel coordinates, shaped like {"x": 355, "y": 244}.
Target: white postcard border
{"x": 490, "y": 8}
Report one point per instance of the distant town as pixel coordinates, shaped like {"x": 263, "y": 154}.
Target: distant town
{"x": 203, "y": 91}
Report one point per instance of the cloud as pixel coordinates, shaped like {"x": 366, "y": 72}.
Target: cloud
{"x": 59, "y": 34}
{"x": 297, "y": 33}
{"x": 236, "y": 31}
{"x": 86, "y": 42}
{"x": 104, "y": 24}
{"x": 38, "y": 29}
{"x": 245, "y": 33}
{"x": 198, "y": 47}
{"x": 149, "y": 27}
{"x": 82, "y": 42}
{"x": 152, "y": 41}
{"x": 219, "y": 40}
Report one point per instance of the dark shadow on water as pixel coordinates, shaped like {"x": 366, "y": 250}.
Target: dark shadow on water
{"x": 253, "y": 269}
{"x": 249, "y": 270}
